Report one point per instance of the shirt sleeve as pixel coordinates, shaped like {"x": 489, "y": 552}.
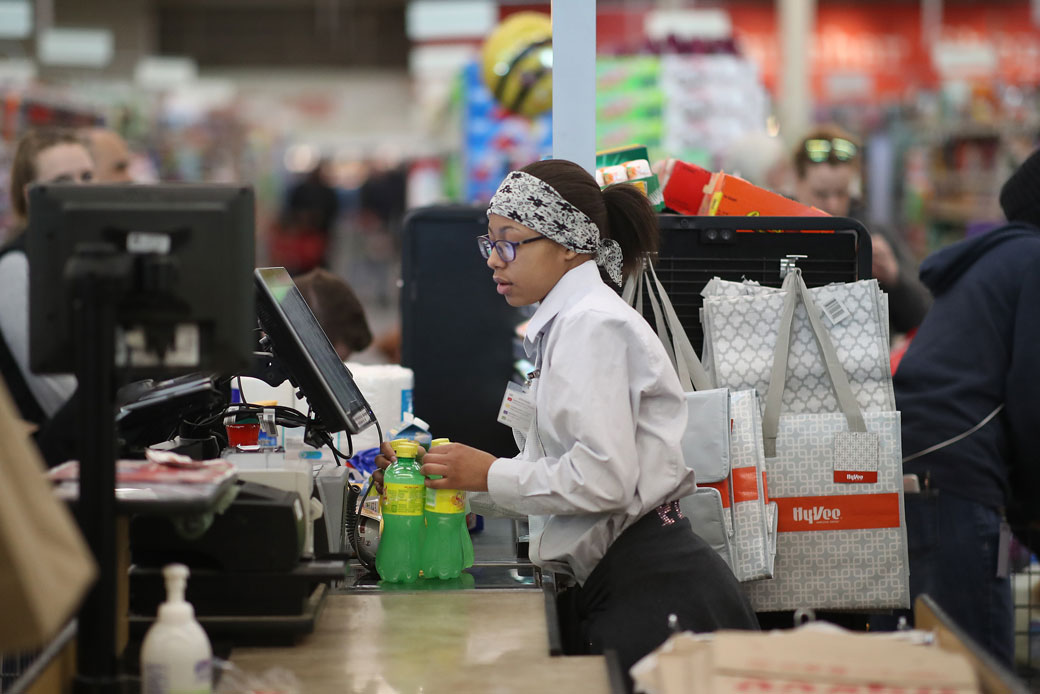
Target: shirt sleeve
{"x": 481, "y": 502}
{"x": 50, "y": 391}
{"x": 585, "y": 397}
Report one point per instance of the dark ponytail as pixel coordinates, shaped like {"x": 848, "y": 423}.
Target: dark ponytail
{"x": 621, "y": 211}
{"x": 633, "y": 224}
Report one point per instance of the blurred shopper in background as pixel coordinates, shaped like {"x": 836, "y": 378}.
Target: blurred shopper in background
{"x": 45, "y": 156}
{"x": 301, "y": 241}
{"x": 969, "y": 392}
{"x": 42, "y": 156}
{"x": 826, "y": 167}
{"x": 337, "y": 309}
{"x": 110, "y": 153}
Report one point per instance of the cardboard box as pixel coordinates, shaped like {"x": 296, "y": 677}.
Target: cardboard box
{"x": 805, "y": 660}
{"x": 732, "y": 196}
{"x": 684, "y": 191}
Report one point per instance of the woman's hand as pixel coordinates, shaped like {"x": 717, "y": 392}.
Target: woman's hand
{"x": 460, "y": 467}
{"x": 385, "y": 459}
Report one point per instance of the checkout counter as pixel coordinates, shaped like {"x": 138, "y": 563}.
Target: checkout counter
{"x": 496, "y": 633}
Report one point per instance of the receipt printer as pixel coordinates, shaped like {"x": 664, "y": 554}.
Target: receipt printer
{"x": 263, "y": 529}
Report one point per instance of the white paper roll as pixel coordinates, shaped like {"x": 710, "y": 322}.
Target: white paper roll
{"x": 388, "y": 389}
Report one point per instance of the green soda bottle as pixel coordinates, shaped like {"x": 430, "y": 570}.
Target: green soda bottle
{"x": 444, "y": 554}
{"x": 399, "y": 555}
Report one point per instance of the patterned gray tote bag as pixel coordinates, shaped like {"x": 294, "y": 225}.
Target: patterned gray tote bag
{"x": 836, "y": 478}
{"x": 740, "y": 329}
{"x": 722, "y": 444}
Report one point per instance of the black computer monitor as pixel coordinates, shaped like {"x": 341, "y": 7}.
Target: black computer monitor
{"x": 305, "y": 353}
{"x": 188, "y": 252}
{"x": 151, "y": 412}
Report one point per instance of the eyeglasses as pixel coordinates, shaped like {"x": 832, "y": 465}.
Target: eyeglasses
{"x": 506, "y": 249}
{"x": 836, "y": 149}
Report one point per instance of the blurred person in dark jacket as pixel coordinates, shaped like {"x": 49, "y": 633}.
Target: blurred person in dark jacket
{"x": 301, "y": 241}
{"x": 826, "y": 163}
{"x": 969, "y": 392}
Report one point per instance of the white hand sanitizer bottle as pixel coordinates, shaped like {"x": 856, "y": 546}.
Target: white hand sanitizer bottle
{"x": 176, "y": 657}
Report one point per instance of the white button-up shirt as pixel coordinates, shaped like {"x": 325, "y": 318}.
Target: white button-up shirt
{"x": 605, "y": 445}
{"x": 50, "y": 391}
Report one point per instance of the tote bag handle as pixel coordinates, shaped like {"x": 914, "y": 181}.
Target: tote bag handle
{"x": 795, "y": 289}
{"x": 692, "y": 375}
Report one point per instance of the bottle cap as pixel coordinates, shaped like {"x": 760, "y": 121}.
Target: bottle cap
{"x": 439, "y": 442}
{"x": 405, "y": 448}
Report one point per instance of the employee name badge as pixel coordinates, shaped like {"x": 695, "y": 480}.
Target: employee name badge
{"x": 517, "y": 410}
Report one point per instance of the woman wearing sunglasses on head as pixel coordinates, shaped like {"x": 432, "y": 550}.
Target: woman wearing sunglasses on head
{"x": 600, "y": 469}
{"x": 826, "y": 165}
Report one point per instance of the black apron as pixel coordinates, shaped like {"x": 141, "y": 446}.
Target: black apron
{"x": 656, "y": 568}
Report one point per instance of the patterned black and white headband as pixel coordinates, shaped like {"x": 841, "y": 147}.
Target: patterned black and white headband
{"x": 530, "y": 201}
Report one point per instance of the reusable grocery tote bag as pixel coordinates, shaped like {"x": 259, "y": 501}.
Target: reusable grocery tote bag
{"x": 745, "y": 490}
{"x": 740, "y": 331}
{"x": 45, "y": 566}
{"x": 836, "y": 478}
{"x": 722, "y": 444}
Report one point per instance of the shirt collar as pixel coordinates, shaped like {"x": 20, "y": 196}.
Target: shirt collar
{"x": 575, "y": 283}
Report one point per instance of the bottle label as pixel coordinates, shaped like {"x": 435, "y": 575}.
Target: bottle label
{"x": 445, "y": 501}
{"x": 403, "y": 499}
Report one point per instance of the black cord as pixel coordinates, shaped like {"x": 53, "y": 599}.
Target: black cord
{"x": 379, "y": 431}
{"x": 286, "y": 416}
{"x": 241, "y": 390}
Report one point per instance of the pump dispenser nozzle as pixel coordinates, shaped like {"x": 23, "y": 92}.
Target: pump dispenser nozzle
{"x": 176, "y": 576}
{"x": 176, "y": 608}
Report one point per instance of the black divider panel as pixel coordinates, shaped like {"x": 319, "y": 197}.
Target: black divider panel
{"x": 695, "y": 249}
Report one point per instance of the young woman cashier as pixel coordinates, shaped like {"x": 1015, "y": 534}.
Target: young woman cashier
{"x": 600, "y": 470}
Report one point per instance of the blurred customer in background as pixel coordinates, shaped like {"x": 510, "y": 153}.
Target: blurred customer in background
{"x": 42, "y": 156}
{"x": 300, "y": 241}
{"x": 110, "y": 153}
{"x": 969, "y": 392}
{"x": 826, "y": 166}
{"x": 337, "y": 309}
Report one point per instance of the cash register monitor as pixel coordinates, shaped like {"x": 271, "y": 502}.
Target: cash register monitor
{"x": 185, "y": 253}
{"x": 305, "y": 353}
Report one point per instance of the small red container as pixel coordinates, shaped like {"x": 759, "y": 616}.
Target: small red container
{"x": 242, "y": 434}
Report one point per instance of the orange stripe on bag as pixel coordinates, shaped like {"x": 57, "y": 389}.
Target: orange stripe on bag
{"x": 745, "y": 484}
{"x": 722, "y": 487}
{"x": 847, "y": 512}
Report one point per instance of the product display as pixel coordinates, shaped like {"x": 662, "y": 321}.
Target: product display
{"x": 629, "y": 164}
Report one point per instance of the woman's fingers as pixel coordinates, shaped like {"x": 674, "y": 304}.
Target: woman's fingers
{"x": 386, "y": 456}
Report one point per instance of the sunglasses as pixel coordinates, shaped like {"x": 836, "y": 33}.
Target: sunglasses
{"x": 834, "y": 149}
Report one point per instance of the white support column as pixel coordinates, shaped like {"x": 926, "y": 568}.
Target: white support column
{"x": 574, "y": 81}
{"x": 931, "y": 22}
{"x": 797, "y": 20}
